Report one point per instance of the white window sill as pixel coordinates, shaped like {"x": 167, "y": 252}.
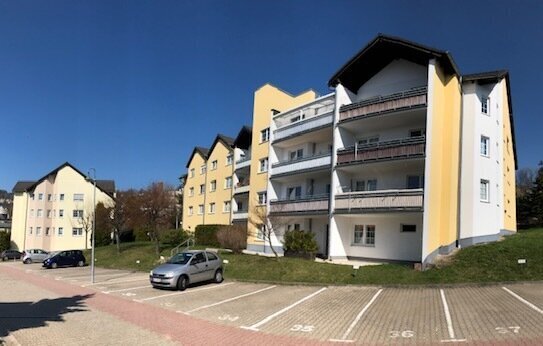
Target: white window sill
{"x": 363, "y": 245}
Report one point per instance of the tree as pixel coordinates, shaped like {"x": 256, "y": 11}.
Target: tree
{"x": 268, "y": 226}
{"x": 530, "y": 197}
{"x": 120, "y": 214}
{"x": 158, "y": 206}
{"x": 537, "y": 195}
{"x": 525, "y": 178}
{"x": 85, "y": 220}
{"x": 103, "y": 224}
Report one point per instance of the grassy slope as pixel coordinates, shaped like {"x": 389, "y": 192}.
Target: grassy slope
{"x": 482, "y": 263}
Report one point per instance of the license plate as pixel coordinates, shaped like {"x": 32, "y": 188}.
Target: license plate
{"x": 156, "y": 280}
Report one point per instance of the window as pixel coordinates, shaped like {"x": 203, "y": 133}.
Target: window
{"x": 38, "y": 231}
{"x": 415, "y": 181}
{"x": 296, "y": 154}
{"x": 30, "y": 230}
{"x": 360, "y": 185}
{"x": 212, "y": 208}
{"x": 40, "y": 196}
{"x": 214, "y": 165}
{"x": 48, "y": 213}
{"x": 240, "y": 206}
{"x": 364, "y": 235}
{"x": 417, "y": 133}
{"x": 191, "y": 210}
{"x": 371, "y": 185}
{"x": 226, "y": 206}
{"x": 202, "y": 169}
{"x": 61, "y": 197}
{"x": 366, "y": 185}
{"x": 198, "y": 258}
{"x": 32, "y": 196}
{"x": 294, "y": 192}
{"x": 409, "y": 228}
{"x": 192, "y": 172}
{"x": 77, "y": 231}
{"x": 49, "y": 197}
{"x": 228, "y": 183}
{"x": 78, "y": 197}
{"x": 39, "y": 213}
{"x": 60, "y": 231}
{"x": 47, "y": 231}
{"x": 260, "y": 232}
{"x": 265, "y": 135}
{"x": 293, "y": 227}
{"x": 61, "y": 213}
{"x": 202, "y": 189}
{"x": 200, "y": 209}
{"x": 368, "y": 140}
{"x": 484, "y": 193}
{"x": 213, "y": 185}
{"x": 485, "y": 146}
{"x": 77, "y": 213}
{"x": 211, "y": 256}
{"x": 191, "y": 191}
{"x": 485, "y": 103}
{"x": 229, "y": 159}
{"x": 263, "y": 165}
{"x": 262, "y": 197}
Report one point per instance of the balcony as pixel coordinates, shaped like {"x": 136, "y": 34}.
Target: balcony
{"x": 240, "y": 215}
{"x": 379, "y": 201}
{"x": 414, "y": 98}
{"x": 389, "y": 150}
{"x": 316, "y": 204}
{"x": 304, "y": 126}
{"x": 243, "y": 162}
{"x": 303, "y": 164}
{"x": 242, "y": 187}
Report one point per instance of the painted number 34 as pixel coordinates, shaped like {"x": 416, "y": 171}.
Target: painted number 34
{"x": 302, "y": 328}
{"x": 403, "y": 333}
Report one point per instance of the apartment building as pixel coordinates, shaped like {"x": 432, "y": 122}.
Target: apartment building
{"x": 404, "y": 160}
{"x": 50, "y": 213}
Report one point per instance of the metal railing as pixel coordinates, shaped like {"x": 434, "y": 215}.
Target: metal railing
{"x": 399, "y": 148}
{"x": 301, "y": 159}
{"x": 187, "y": 243}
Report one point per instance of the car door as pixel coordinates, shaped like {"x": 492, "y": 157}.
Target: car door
{"x": 213, "y": 263}
{"x": 197, "y": 267}
{"x": 41, "y": 255}
{"x": 63, "y": 258}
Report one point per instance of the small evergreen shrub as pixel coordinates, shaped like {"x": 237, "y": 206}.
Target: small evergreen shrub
{"x": 300, "y": 244}
{"x": 4, "y": 241}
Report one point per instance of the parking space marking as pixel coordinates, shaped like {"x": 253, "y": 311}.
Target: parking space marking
{"x": 357, "y": 319}
{"x": 533, "y": 306}
{"x": 114, "y": 282}
{"x": 274, "y": 315}
{"x": 126, "y": 289}
{"x": 183, "y": 292}
{"x": 450, "y": 328}
{"x": 228, "y": 300}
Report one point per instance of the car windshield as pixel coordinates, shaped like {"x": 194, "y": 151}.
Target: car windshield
{"x": 180, "y": 258}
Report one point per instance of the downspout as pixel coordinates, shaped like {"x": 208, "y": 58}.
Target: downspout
{"x": 205, "y": 196}
{"x": 459, "y": 189}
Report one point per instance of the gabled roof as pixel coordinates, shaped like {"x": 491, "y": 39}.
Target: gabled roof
{"x": 227, "y": 141}
{"x": 244, "y": 137}
{"x": 106, "y": 186}
{"x": 496, "y": 77}
{"x": 203, "y": 152}
{"x": 382, "y": 50}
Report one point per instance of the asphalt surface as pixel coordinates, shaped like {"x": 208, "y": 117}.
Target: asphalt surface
{"x": 47, "y": 307}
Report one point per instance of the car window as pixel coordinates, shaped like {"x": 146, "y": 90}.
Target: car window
{"x": 198, "y": 258}
{"x": 180, "y": 258}
{"x": 211, "y": 256}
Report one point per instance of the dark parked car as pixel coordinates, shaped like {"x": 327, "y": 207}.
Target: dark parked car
{"x": 10, "y": 254}
{"x": 64, "y": 259}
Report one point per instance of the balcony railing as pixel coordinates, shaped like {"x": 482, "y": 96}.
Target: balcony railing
{"x": 241, "y": 188}
{"x": 384, "y": 200}
{"x": 302, "y": 164}
{"x": 389, "y": 150}
{"x": 383, "y": 104}
{"x": 305, "y": 125}
{"x": 240, "y": 215}
{"x": 308, "y": 204}
{"x": 243, "y": 162}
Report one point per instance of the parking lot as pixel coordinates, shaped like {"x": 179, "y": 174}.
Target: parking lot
{"x": 510, "y": 313}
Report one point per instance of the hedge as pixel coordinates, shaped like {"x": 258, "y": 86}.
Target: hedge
{"x": 207, "y": 235}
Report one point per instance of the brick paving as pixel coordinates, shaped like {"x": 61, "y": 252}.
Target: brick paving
{"x": 284, "y": 315}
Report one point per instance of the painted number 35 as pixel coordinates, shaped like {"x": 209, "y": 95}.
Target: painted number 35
{"x": 402, "y": 333}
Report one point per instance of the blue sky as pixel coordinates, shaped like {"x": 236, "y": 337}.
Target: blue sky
{"x": 129, "y": 87}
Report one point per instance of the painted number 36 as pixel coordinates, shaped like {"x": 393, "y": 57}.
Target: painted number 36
{"x": 302, "y": 328}
{"x": 403, "y": 333}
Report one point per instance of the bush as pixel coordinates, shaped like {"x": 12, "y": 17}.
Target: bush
{"x": 207, "y": 235}
{"x": 173, "y": 237}
{"x": 232, "y": 237}
{"x": 140, "y": 234}
{"x": 300, "y": 244}
{"x": 4, "y": 241}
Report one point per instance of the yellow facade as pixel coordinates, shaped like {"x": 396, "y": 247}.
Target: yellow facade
{"x": 192, "y": 198}
{"x": 442, "y": 153}
{"x": 222, "y": 192}
{"x": 266, "y": 99}
{"x": 51, "y": 213}
{"x": 509, "y": 187}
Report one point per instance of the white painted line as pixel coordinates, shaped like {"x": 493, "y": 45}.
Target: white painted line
{"x": 339, "y": 340}
{"x": 127, "y": 289}
{"x": 77, "y": 277}
{"x": 229, "y": 299}
{"x": 115, "y": 282}
{"x": 359, "y": 316}
{"x": 449, "y": 319}
{"x": 533, "y": 306}
{"x": 184, "y": 292}
{"x": 274, "y": 315}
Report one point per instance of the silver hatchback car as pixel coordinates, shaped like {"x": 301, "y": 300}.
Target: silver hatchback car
{"x": 187, "y": 268}
{"x": 34, "y": 255}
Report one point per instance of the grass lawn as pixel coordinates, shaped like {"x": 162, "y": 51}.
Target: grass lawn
{"x": 492, "y": 262}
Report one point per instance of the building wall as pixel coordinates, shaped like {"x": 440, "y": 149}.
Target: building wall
{"x": 266, "y": 99}
{"x": 508, "y": 167}
{"x": 191, "y": 221}
{"x": 222, "y": 193}
{"x": 442, "y": 161}
{"x": 18, "y": 223}
{"x": 68, "y": 182}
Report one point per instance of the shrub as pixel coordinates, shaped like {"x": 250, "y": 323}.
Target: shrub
{"x": 173, "y": 237}
{"x": 300, "y": 244}
{"x": 140, "y": 234}
{"x": 4, "y": 241}
{"x": 232, "y": 237}
{"x": 207, "y": 235}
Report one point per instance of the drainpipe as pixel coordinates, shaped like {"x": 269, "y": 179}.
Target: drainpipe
{"x": 459, "y": 189}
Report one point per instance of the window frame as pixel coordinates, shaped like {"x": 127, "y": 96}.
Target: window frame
{"x": 263, "y": 165}
{"x": 264, "y": 200}
{"x": 265, "y": 135}
{"x": 486, "y": 141}
{"x": 486, "y": 183}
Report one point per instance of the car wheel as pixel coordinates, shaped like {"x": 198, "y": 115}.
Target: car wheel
{"x": 5, "y": 258}
{"x": 54, "y": 265}
{"x": 27, "y": 261}
{"x": 182, "y": 283}
{"x": 218, "y": 276}
{"x": 80, "y": 264}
